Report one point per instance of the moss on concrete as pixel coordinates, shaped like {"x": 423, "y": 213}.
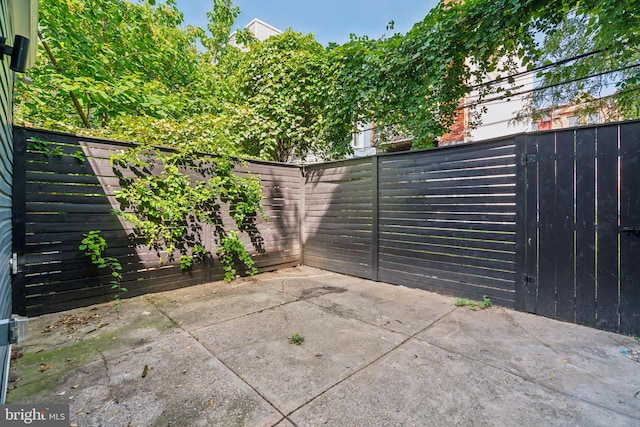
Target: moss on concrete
{"x": 40, "y": 372}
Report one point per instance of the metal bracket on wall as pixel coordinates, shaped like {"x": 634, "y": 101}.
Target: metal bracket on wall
{"x": 14, "y": 330}
{"x": 14, "y": 263}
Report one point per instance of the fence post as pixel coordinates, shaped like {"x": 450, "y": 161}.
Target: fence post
{"x": 19, "y": 194}
{"x": 521, "y": 223}
{"x": 375, "y": 223}
{"x": 302, "y": 213}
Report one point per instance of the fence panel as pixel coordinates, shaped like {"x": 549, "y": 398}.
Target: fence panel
{"x": 585, "y": 299}
{"x": 447, "y": 220}
{"x": 70, "y": 189}
{"x": 630, "y": 228}
{"x": 338, "y": 217}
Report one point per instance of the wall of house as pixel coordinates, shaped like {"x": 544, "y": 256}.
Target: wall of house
{"x": 262, "y": 30}
{"x": 362, "y": 143}
{"x": 499, "y": 114}
{"x": 6, "y": 171}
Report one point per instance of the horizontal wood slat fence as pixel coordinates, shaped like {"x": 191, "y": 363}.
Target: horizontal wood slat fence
{"x": 445, "y": 219}
{"x": 70, "y": 191}
{"x": 547, "y": 223}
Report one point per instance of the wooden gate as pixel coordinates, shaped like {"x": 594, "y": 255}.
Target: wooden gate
{"x": 580, "y": 223}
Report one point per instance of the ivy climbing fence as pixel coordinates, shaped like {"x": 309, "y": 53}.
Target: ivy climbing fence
{"x": 65, "y": 187}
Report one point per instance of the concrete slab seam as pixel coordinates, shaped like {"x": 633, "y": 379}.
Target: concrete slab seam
{"x": 528, "y": 379}
{"x": 231, "y": 319}
{"x": 406, "y": 340}
{"x": 195, "y": 337}
{"x": 366, "y": 322}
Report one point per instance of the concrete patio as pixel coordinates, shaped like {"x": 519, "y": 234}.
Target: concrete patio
{"x": 373, "y": 355}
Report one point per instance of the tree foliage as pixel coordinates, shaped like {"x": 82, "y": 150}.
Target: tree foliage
{"x": 415, "y": 81}
{"x": 284, "y": 104}
{"x": 289, "y": 96}
{"x": 114, "y": 58}
{"x": 605, "y": 37}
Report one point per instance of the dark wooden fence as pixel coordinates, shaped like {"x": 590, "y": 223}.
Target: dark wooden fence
{"x": 442, "y": 220}
{"x": 579, "y": 222}
{"x": 547, "y": 223}
{"x": 69, "y": 185}
{"x": 339, "y": 217}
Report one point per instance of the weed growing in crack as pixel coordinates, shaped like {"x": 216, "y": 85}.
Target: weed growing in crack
{"x": 473, "y": 305}
{"x": 296, "y": 339}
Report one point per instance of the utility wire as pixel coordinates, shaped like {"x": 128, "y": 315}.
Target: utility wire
{"x": 497, "y": 122}
{"x": 541, "y": 67}
{"x": 524, "y": 92}
{"x": 603, "y": 84}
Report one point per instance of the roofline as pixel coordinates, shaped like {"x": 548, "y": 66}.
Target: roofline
{"x": 260, "y": 21}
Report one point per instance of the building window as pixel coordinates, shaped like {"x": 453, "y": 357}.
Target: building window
{"x": 366, "y": 137}
{"x": 574, "y": 121}
{"x": 593, "y": 119}
{"x": 357, "y": 140}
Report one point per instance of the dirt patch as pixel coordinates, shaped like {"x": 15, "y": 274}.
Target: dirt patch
{"x": 70, "y": 323}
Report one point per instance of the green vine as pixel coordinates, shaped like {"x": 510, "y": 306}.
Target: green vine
{"x": 173, "y": 195}
{"x": 231, "y": 251}
{"x": 94, "y": 245}
{"x": 39, "y": 145}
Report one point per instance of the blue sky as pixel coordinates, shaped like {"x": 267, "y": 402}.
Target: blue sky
{"x": 328, "y": 20}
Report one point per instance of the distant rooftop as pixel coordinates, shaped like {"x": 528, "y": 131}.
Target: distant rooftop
{"x": 260, "y": 29}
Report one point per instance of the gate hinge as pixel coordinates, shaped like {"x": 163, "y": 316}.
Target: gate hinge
{"x": 528, "y": 279}
{"x": 528, "y": 159}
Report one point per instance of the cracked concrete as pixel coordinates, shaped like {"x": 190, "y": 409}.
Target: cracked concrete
{"x": 374, "y": 354}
